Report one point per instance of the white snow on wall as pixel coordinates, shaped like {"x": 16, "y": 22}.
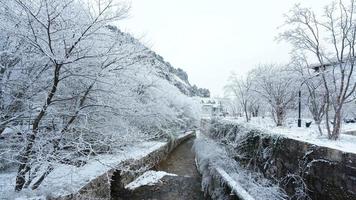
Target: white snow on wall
{"x": 236, "y": 187}
{"x": 148, "y": 178}
{"x": 346, "y": 143}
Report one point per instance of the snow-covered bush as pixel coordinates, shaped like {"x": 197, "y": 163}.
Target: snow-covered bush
{"x": 211, "y": 156}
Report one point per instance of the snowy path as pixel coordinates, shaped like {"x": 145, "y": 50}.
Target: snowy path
{"x": 185, "y": 186}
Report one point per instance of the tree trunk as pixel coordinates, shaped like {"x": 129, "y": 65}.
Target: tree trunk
{"x": 50, "y": 168}
{"x": 2, "y": 129}
{"x": 318, "y": 123}
{"x": 255, "y": 112}
{"x": 24, "y": 157}
{"x": 280, "y": 116}
{"x": 327, "y": 120}
{"x": 246, "y": 113}
{"x": 337, "y": 125}
{"x": 40, "y": 180}
{"x": 279, "y": 121}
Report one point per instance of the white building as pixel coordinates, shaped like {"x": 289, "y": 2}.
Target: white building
{"x": 213, "y": 107}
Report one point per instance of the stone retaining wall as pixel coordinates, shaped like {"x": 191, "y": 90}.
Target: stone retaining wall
{"x": 113, "y": 181}
{"x": 323, "y": 173}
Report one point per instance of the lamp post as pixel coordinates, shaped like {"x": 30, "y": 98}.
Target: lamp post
{"x": 300, "y": 107}
{"x": 300, "y": 101}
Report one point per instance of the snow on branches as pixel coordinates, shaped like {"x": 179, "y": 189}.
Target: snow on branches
{"x": 72, "y": 85}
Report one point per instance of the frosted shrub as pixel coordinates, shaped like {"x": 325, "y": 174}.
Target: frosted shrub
{"x": 211, "y": 156}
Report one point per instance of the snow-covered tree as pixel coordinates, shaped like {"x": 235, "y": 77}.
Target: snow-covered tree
{"x": 68, "y": 36}
{"x": 241, "y": 88}
{"x": 74, "y": 85}
{"x": 276, "y": 85}
{"x": 329, "y": 40}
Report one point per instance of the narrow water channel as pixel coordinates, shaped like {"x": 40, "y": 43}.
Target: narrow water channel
{"x": 185, "y": 186}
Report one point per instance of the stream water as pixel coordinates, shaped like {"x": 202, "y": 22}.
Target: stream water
{"x": 185, "y": 186}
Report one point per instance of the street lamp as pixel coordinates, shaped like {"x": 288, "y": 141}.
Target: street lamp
{"x": 300, "y": 107}
{"x": 300, "y": 101}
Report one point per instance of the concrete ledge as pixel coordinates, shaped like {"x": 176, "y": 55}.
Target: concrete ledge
{"x": 236, "y": 188}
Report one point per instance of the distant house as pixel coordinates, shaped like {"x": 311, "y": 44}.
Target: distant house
{"x": 319, "y": 67}
{"x": 212, "y": 107}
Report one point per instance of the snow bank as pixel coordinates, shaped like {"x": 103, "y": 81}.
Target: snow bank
{"x": 148, "y": 178}
{"x": 346, "y": 143}
{"x": 67, "y": 179}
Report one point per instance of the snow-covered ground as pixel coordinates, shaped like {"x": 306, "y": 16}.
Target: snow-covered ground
{"x": 148, "y": 178}
{"x": 67, "y": 179}
{"x": 346, "y": 143}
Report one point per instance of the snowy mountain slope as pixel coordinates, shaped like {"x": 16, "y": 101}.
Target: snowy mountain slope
{"x": 176, "y": 76}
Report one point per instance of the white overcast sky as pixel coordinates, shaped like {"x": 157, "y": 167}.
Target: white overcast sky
{"x": 211, "y": 38}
